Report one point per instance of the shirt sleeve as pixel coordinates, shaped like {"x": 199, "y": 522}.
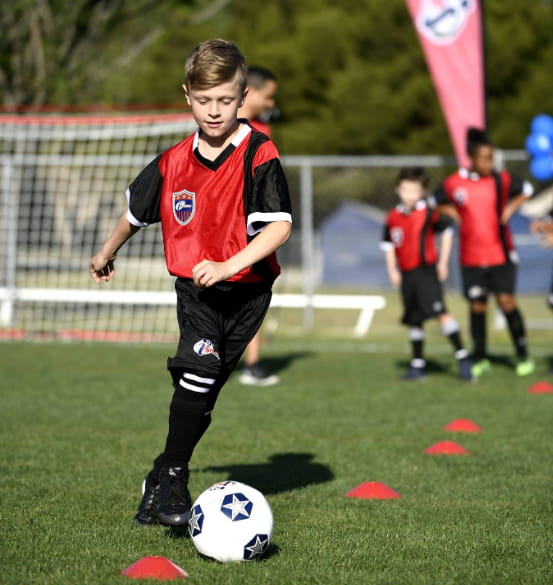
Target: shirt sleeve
{"x": 386, "y": 239}
{"x": 144, "y": 196}
{"x": 520, "y": 187}
{"x": 442, "y": 223}
{"x": 439, "y": 196}
{"x": 270, "y": 197}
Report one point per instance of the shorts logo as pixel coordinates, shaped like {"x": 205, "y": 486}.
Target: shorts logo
{"x": 475, "y": 292}
{"x": 442, "y": 21}
{"x": 184, "y": 206}
{"x": 396, "y": 234}
{"x": 205, "y": 347}
{"x": 460, "y": 196}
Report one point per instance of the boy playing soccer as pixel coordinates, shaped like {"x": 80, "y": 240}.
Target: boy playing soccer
{"x": 222, "y": 199}
{"x": 409, "y": 244}
{"x": 483, "y": 200}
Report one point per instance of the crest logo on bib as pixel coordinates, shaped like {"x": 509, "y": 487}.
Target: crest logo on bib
{"x": 396, "y": 235}
{"x": 184, "y": 206}
{"x": 460, "y": 196}
{"x": 442, "y": 21}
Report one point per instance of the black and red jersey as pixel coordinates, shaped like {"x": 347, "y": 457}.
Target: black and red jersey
{"x": 480, "y": 201}
{"x": 209, "y": 210}
{"x": 411, "y": 233}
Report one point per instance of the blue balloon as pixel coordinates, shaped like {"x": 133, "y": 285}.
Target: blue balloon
{"x": 539, "y": 143}
{"x": 542, "y": 124}
{"x": 541, "y": 167}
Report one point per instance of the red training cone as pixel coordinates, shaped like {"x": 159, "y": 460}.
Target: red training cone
{"x": 462, "y": 425}
{"x": 541, "y": 388}
{"x": 154, "y": 568}
{"x": 373, "y": 490}
{"x": 446, "y": 448}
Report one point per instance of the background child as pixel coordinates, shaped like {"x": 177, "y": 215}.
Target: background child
{"x": 257, "y": 108}
{"x": 483, "y": 201}
{"x": 413, "y": 265}
{"x": 544, "y": 227}
{"x": 224, "y": 207}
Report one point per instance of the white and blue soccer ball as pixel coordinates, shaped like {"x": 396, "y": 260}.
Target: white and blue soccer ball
{"x": 231, "y": 521}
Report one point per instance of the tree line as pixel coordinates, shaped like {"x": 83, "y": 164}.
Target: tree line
{"x": 352, "y": 76}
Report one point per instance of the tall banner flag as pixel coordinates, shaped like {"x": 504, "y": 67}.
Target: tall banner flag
{"x": 451, "y": 35}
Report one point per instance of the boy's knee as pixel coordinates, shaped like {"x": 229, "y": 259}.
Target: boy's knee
{"x": 506, "y": 302}
{"x": 479, "y": 306}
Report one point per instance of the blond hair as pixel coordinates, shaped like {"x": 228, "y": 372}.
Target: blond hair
{"x": 214, "y": 62}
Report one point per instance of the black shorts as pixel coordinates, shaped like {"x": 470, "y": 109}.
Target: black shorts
{"x": 422, "y": 295}
{"x": 216, "y": 324}
{"x": 478, "y": 281}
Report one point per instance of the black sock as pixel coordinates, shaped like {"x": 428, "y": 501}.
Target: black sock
{"x": 416, "y": 338}
{"x": 417, "y": 348}
{"x": 455, "y": 339}
{"x": 188, "y": 420}
{"x": 450, "y": 328}
{"x": 478, "y": 333}
{"x": 515, "y": 323}
{"x": 162, "y": 459}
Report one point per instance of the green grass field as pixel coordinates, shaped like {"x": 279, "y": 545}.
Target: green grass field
{"x": 81, "y": 423}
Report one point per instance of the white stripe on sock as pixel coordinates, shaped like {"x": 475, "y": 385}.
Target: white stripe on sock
{"x": 195, "y": 378}
{"x": 199, "y": 389}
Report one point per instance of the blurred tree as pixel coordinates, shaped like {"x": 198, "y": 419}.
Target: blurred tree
{"x": 352, "y": 75}
{"x": 55, "y": 50}
{"x": 520, "y": 58}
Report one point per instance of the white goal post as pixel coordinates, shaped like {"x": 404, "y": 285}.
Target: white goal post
{"x": 62, "y": 181}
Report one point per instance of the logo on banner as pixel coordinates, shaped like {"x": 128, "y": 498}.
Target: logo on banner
{"x": 184, "y": 206}
{"x": 442, "y": 21}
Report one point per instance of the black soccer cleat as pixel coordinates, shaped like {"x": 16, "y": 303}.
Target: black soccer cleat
{"x": 175, "y": 503}
{"x": 147, "y": 511}
{"x": 414, "y": 373}
{"x": 465, "y": 370}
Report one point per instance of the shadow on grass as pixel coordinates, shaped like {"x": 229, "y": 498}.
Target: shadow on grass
{"x": 282, "y": 473}
{"x": 177, "y": 532}
{"x": 432, "y": 366}
{"x": 276, "y": 364}
{"x": 439, "y": 367}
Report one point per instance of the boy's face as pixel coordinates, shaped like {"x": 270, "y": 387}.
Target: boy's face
{"x": 261, "y": 100}
{"x": 215, "y": 109}
{"x": 482, "y": 161}
{"x": 409, "y": 192}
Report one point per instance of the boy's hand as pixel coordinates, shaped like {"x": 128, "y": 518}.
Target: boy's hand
{"x": 547, "y": 239}
{"x": 207, "y": 273}
{"x": 443, "y": 271}
{"x": 395, "y": 278}
{"x": 101, "y": 268}
{"x": 544, "y": 229}
{"x": 541, "y": 226}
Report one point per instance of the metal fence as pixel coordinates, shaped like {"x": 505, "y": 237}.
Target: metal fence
{"x": 58, "y": 202}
